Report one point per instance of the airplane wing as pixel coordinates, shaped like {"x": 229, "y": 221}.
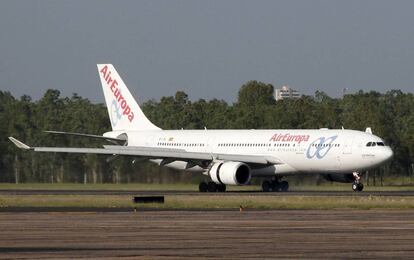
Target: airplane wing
{"x": 154, "y": 153}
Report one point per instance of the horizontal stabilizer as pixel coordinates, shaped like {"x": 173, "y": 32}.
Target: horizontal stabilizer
{"x": 19, "y": 144}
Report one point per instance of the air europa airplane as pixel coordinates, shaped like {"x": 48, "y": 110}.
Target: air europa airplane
{"x": 230, "y": 157}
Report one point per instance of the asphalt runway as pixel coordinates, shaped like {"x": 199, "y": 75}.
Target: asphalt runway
{"x": 193, "y": 193}
{"x": 305, "y": 234}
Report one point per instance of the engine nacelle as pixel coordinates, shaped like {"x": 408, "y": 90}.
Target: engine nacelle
{"x": 231, "y": 173}
{"x": 345, "y": 178}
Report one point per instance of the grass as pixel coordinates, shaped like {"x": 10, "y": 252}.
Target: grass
{"x": 206, "y": 201}
{"x": 212, "y": 202}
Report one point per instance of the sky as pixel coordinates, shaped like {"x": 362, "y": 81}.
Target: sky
{"x": 206, "y": 48}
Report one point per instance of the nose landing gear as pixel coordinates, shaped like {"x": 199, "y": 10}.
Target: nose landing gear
{"x": 357, "y": 184}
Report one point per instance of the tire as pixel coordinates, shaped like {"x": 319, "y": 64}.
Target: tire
{"x": 221, "y": 188}
{"x": 266, "y": 186}
{"x": 360, "y": 186}
{"x": 284, "y": 186}
{"x": 212, "y": 187}
{"x": 202, "y": 187}
{"x": 274, "y": 186}
{"x": 355, "y": 186}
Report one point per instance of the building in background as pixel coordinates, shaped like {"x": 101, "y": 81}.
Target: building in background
{"x": 286, "y": 92}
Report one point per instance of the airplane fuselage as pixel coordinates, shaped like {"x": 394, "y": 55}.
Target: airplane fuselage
{"x": 306, "y": 151}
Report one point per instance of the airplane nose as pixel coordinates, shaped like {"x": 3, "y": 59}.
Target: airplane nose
{"x": 388, "y": 154}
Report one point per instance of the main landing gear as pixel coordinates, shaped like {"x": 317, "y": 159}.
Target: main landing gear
{"x": 275, "y": 185}
{"x": 211, "y": 187}
{"x": 357, "y": 184}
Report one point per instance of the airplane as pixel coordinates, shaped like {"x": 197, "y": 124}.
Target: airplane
{"x": 230, "y": 157}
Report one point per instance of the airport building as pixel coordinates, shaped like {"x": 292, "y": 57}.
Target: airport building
{"x": 286, "y": 92}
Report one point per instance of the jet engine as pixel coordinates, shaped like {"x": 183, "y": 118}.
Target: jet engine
{"x": 344, "y": 178}
{"x": 231, "y": 173}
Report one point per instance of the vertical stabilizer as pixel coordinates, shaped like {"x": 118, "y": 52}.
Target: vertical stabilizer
{"x": 124, "y": 111}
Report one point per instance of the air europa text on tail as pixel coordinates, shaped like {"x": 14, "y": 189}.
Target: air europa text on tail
{"x": 116, "y": 91}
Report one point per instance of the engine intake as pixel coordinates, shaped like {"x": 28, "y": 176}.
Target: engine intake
{"x": 231, "y": 173}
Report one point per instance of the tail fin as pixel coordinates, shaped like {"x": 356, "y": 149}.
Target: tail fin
{"x": 124, "y": 111}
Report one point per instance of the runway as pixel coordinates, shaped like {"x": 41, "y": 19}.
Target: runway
{"x": 310, "y": 234}
{"x": 194, "y": 193}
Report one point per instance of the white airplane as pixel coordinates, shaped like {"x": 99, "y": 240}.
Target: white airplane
{"x": 230, "y": 157}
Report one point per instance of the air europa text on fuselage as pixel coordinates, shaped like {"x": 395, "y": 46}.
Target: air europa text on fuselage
{"x": 289, "y": 138}
{"x": 113, "y": 85}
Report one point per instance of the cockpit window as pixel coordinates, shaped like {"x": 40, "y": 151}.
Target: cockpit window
{"x": 375, "y": 144}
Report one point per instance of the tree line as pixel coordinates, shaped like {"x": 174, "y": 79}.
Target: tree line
{"x": 390, "y": 115}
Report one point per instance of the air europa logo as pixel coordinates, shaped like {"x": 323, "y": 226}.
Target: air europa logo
{"x": 289, "y": 138}
{"x": 116, "y": 113}
{"x": 320, "y": 147}
{"x": 120, "y": 103}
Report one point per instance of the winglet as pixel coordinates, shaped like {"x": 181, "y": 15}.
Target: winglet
{"x": 19, "y": 144}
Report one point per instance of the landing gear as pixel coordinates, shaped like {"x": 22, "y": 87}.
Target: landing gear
{"x": 284, "y": 186}
{"x": 221, "y": 188}
{"x": 266, "y": 187}
{"x": 357, "y": 184}
{"x": 275, "y": 186}
{"x": 203, "y": 187}
{"x": 211, "y": 187}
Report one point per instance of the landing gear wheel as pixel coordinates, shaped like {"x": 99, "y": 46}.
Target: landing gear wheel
{"x": 202, "y": 187}
{"x": 284, "y": 186}
{"x": 357, "y": 186}
{"x": 221, "y": 188}
{"x": 275, "y": 186}
{"x": 266, "y": 186}
{"x": 212, "y": 187}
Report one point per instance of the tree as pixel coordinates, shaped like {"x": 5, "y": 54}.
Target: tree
{"x": 255, "y": 93}
{"x": 391, "y": 116}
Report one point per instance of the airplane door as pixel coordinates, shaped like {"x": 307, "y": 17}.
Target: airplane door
{"x": 348, "y": 145}
{"x": 338, "y": 162}
{"x": 300, "y": 148}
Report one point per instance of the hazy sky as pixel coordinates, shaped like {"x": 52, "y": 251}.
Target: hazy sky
{"x": 206, "y": 48}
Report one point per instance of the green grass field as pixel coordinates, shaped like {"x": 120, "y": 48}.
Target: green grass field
{"x": 211, "y": 202}
{"x": 206, "y": 201}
